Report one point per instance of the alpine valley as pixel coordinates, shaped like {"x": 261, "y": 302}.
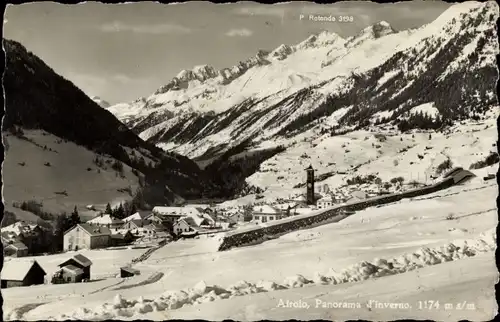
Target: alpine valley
{"x": 265, "y": 119}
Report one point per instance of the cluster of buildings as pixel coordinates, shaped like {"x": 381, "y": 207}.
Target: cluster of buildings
{"x": 160, "y": 223}
{"x": 18, "y": 237}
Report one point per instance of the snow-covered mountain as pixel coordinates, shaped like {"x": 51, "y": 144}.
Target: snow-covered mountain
{"x": 422, "y": 78}
{"x": 102, "y": 103}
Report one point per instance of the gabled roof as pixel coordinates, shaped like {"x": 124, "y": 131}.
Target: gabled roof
{"x": 140, "y": 215}
{"x": 17, "y": 269}
{"x": 130, "y": 270}
{"x": 80, "y": 259}
{"x": 92, "y": 230}
{"x": 73, "y": 269}
{"x": 190, "y": 221}
{"x": 105, "y": 219}
{"x": 266, "y": 209}
{"x": 138, "y": 223}
{"x": 178, "y": 211}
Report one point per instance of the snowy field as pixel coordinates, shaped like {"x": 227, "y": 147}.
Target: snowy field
{"x": 395, "y": 242}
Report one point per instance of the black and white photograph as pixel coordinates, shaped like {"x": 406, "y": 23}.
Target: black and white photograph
{"x": 248, "y": 161}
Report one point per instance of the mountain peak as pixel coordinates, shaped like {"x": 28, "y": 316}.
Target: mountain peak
{"x": 320, "y": 39}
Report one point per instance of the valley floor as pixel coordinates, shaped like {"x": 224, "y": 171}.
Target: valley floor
{"x": 401, "y": 232}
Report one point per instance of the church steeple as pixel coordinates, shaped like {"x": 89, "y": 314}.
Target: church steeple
{"x": 310, "y": 186}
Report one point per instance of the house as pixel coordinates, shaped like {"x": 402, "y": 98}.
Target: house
{"x": 185, "y": 224}
{"x": 128, "y": 272}
{"x": 21, "y": 273}
{"x": 139, "y": 215}
{"x": 266, "y": 213}
{"x": 106, "y": 220}
{"x": 154, "y": 228}
{"x": 173, "y": 214}
{"x": 70, "y": 268}
{"x": 16, "y": 249}
{"x": 325, "y": 202}
{"x": 135, "y": 224}
{"x": 86, "y": 236}
{"x": 170, "y": 214}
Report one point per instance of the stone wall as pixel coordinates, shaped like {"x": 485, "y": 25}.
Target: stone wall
{"x": 260, "y": 234}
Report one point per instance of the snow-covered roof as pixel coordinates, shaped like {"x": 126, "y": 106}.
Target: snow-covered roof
{"x": 105, "y": 220}
{"x": 285, "y": 206}
{"x": 326, "y": 198}
{"x": 80, "y": 259}
{"x": 302, "y": 210}
{"x": 73, "y": 269}
{"x": 177, "y": 211}
{"x": 266, "y": 209}
{"x": 93, "y": 230}
{"x": 17, "y": 269}
{"x": 140, "y": 215}
{"x": 19, "y": 227}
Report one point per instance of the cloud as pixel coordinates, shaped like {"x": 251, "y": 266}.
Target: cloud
{"x": 154, "y": 29}
{"x": 124, "y": 79}
{"x": 265, "y": 10}
{"x": 243, "y": 32}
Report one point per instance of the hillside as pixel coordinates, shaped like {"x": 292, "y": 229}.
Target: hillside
{"x": 377, "y": 254}
{"x": 62, "y": 141}
{"x": 428, "y": 78}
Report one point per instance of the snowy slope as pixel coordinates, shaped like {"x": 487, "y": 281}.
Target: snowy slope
{"x": 264, "y": 96}
{"x": 412, "y": 234}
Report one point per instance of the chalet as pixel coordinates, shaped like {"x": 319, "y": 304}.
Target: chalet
{"x": 266, "y": 213}
{"x": 140, "y": 215}
{"x": 185, "y": 224}
{"x": 135, "y": 224}
{"x": 154, "y": 228}
{"x": 172, "y": 214}
{"x": 86, "y": 236}
{"x": 325, "y": 202}
{"x": 16, "y": 249}
{"x": 76, "y": 269}
{"x": 21, "y": 273}
{"x": 106, "y": 220}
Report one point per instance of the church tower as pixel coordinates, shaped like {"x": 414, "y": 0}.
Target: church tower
{"x": 310, "y": 186}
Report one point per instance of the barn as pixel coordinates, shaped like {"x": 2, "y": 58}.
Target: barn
{"x": 78, "y": 261}
{"x": 22, "y": 273}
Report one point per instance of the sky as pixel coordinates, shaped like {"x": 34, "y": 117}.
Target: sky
{"x": 121, "y": 52}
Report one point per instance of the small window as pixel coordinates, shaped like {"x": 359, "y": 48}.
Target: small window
{"x": 256, "y": 217}
{"x": 68, "y": 279}
{"x": 271, "y": 218}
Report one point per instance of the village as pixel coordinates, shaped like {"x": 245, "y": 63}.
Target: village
{"x": 157, "y": 227}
